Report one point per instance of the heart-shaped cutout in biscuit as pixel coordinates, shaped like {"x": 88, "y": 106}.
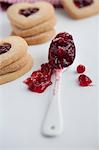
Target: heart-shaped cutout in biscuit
{"x": 83, "y": 3}
{"x": 28, "y": 11}
{"x": 5, "y": 47}
{"x": 78, "y": 9}
{"x": 27, "y": 15}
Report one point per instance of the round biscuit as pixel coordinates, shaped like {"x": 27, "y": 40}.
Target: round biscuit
{"x": 46, "y": 11}
{"x": 13, "y": 76}
{"x": 78, "y": 13}
{"x": 44, "y": 27}
{"x": 17, "y": 50}
{"x": 20, "y": 63}
{"x": 40, "y": 38}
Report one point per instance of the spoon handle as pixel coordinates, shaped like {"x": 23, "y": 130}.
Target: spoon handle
{"x": 53, "y": 124}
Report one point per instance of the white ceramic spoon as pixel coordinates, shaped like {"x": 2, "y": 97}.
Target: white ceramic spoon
{"x": 62, "y": 49}
{"x": 53, "y": 123}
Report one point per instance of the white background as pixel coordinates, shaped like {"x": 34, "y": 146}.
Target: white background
{"x": 22, "y": 112}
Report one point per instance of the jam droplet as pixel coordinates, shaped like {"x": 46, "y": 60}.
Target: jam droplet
{"x": 80, "y": 68}
{"x": 82, "y": 3}
{"x": 5, "y": 47}
{"x": 62, "y": 51}
{"x": 29, "y": 11}
{"x": 84, "y": 80}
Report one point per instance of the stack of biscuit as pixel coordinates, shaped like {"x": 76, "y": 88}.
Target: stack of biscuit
{"x": 34, "y": 22}
{"x": 14, "y": 58}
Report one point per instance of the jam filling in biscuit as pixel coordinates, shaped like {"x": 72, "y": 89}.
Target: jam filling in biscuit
{"x": 82, "y": 3}
{"x": 5, "y": 47}
{"x": 29, "y": 11}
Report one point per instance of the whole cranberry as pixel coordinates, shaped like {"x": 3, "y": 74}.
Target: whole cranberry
{"x": 80, "y": 68}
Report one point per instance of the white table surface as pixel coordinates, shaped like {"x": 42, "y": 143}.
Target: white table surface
{"x": 22, "y": 112}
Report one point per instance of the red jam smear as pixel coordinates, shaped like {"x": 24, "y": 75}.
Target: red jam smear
{"x": 40, "y": 79}
{"x": 29, "y": 11}
{"x": 61, "y": 54}
{"x": 5, "y": 47}
{"x": 84, "y": 80}
{"x": 83, "y": 3}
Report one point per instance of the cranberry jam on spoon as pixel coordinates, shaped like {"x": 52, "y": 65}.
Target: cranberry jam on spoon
{"x": 61, "y": 55}
{"x": 62, "y": 51}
